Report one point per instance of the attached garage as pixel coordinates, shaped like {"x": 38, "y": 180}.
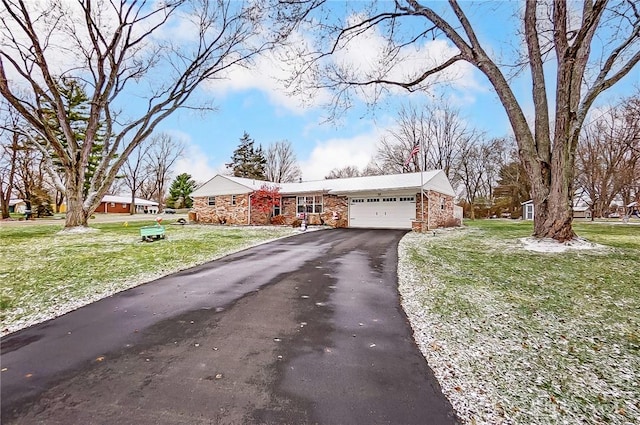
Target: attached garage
{"x": 383, "y": 212}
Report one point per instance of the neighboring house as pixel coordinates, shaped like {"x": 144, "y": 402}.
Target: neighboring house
{"x": 391, "y": 201}
{"x": 582, "y": 211}
{"x": 17, "y": 206}
{"x": 579, "y": 211}
{"x": 122, "y": 204}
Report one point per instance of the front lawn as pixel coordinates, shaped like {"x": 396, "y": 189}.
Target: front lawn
{"x": 45, "y": 273}
{"x": 519, "y": 337}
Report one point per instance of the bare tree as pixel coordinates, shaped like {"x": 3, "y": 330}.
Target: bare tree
{"x": 9, "y": 147}
{"x": 30, "y": 180}
{"x": 410, "y": 130}
{"x": 478, "y": 169}
{"x": 438, "y": 131}
{"x": 608, "y": 156}
{"x": 163, "y": 153}
{"x": 115, "y": 50}
{"x": 611, "y": 29}
{"x": 8, "y": 153}
{"x": 136, "y": 170}
{"x": 512, "y": 186}
{"x": 344, "y": 172}
{"x": 282, "y": 164}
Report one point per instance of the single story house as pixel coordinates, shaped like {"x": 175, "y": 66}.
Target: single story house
{"x": 111, "y": 204}
{"x": 582, "y": 211}
{"x": 389, "y": 201}
{"x": 17, "y": 206}
{"x": 579, "y": 211}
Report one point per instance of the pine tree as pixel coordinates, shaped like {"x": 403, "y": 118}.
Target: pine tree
{"x": 180, "y": 190}
{"x": 247, "y": 161}
{"x": 77, "y": 109}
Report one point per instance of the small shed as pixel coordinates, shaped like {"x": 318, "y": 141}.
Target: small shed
{"x": 527, "y": 210}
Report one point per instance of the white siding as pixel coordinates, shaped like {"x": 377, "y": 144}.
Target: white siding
{"x": 220, "y": 185}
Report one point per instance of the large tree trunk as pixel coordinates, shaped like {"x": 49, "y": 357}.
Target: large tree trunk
{"x": 553, "y": 213}
{"x": 77, "y": 215}
{"x": 552, "y": 189}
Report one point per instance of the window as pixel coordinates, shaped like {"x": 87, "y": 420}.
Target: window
{"x": 212, "y": 201}
{"x": 357, "y": 200}
{"x": 407, "y": 198}
{"x": 389, "y": 199}
{"x": 276, "y": 210}
{"x": 233, "y": 199}
{"x": 309, "y": 204}
{"x": 373, "y": 200}
{"x": 112, "y": 205}
{"x": 441, "y": 203}
{"x": 125, "y": 205}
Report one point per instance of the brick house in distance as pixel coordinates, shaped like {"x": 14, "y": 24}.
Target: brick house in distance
{"x": 389, "y": 201}
{"x": 113, "y": 204}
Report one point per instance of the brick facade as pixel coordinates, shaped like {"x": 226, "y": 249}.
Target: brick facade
{"x": 223, "y": 212}
{"x": 113, "y": 207}
{"x": 438, "y": 211}
{"x": 330, "y": 204}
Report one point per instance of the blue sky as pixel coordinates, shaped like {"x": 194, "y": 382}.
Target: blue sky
{"x": 248, "y": 101}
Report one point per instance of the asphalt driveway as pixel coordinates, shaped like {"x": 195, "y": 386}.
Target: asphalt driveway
{"x": 304, "y": 330}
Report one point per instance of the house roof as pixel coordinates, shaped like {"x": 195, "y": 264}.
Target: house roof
{"x": 127, "y": 200}
{"x": 434, "y": 180}
{"x": 579, "y": 208}
{"x": 13, "y": 202}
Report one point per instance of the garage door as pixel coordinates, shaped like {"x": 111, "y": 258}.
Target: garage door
{"x": 385, "y": 212}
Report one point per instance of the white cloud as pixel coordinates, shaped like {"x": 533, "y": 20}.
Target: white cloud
{"x": 269, "y": 74}
{"x": 340, "y": 152}
{"x": 365, "y": 58}
{"x": 194, "y": 161}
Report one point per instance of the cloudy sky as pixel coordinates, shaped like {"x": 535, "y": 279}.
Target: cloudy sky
{"x": 255, "y": 101}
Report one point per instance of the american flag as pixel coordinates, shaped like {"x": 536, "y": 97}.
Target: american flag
{"x": 413, "y": 153}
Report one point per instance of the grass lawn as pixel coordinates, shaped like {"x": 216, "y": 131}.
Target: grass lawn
{"x": 45, "y": 273}
{"x": 528, "y": 338}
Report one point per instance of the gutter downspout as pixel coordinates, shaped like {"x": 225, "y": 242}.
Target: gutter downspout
{"x": 428, "y": 212}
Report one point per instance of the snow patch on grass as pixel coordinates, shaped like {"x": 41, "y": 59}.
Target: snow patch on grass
{"x": 77, "y": 230}
{"x": 71, "y": 272}
{"x": 521, "y": 351}
{"x": 553, "y": 246}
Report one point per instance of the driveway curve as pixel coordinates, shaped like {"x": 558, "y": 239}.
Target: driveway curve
{"x": 303, "y": 330}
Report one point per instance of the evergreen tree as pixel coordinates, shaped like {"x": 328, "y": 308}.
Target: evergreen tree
{"x": 77, "y": 108}
{"x": 248, "y": 161}
{"x": 180, "y": 190}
